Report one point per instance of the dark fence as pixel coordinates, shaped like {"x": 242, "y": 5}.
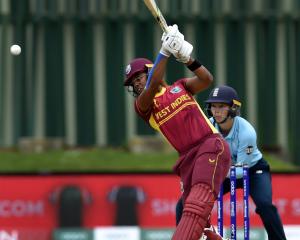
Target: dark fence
{"x": 67, "y": 82}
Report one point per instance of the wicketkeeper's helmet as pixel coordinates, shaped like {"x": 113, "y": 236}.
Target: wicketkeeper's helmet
{"x": 224, "y": 94}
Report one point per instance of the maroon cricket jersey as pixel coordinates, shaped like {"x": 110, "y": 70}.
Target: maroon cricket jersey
{"x": 177, "y": 115}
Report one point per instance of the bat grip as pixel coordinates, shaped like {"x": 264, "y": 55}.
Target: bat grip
{"x": 157, "y": 60}
{"x": 165, "y": 29}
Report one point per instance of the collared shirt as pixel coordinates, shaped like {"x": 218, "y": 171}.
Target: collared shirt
{"x": 177, "y": 115}
{"x": 242, "y": 142}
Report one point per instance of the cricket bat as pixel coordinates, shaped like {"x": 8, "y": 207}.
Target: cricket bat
{"x": 155, "y": 11}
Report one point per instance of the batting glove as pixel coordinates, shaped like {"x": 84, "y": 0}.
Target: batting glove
{"x": 170, "y": 29}
{"x": 171, "y": 41}
{"x": 164, "y": 52}
{"x": 184, "y": 54}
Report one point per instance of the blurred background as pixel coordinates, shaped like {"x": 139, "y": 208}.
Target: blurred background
{"x": 65, "y": 114}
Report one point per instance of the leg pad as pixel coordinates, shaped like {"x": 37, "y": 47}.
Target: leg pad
{"x": 196, "y": 211}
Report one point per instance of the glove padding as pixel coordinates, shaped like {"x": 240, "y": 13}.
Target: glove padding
{"x": 171, "y": 41}
{"x": 171, "y": 30}
{"x": 184, "y": 54}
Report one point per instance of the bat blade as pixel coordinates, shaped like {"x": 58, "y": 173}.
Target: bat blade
{"x": 155, "y": 11}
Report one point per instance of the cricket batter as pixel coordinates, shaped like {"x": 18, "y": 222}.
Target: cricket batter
{"x": 223, "y": 106}
{"x": 204, "y": 157}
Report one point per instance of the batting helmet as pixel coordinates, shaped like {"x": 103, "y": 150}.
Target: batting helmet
{"x": 224, "y": 94}
{"x": 137, "y": 65}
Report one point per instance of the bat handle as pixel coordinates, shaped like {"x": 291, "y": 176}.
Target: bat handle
{"x": 165, "y": 29}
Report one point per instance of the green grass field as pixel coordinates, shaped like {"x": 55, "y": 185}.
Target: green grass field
{"x": 101, "y": 160}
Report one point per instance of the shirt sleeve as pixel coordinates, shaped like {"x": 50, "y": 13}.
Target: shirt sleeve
{"x": 144, "y": 115}
{"x": 182, "y": 82}
{"x": 247, "y": 145}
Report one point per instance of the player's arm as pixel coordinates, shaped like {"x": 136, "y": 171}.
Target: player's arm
{"x": 202, "y": 79}
{"x": 145, "y": 99}
{"x": 172, "y": 41}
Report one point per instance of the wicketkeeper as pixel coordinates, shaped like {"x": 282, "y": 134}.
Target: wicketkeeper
{"x": 223, "y": 106}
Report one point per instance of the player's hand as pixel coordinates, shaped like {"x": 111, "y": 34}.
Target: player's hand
{"x": 184, "y": 54}
{"x": 171, "y": 41}
{"x": 163, "y": 50}
{"x": 171, "y": 31}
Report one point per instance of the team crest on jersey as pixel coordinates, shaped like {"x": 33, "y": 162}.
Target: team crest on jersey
{"x": 176, "y": 90}
{"x": 249, "y": 150}
{"x": 128, "y": 69}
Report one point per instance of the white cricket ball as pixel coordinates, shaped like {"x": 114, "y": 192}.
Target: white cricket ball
{"x": 15, "y": 49}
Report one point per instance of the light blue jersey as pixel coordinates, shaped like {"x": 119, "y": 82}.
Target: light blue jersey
{"x": 242, "y": 142}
